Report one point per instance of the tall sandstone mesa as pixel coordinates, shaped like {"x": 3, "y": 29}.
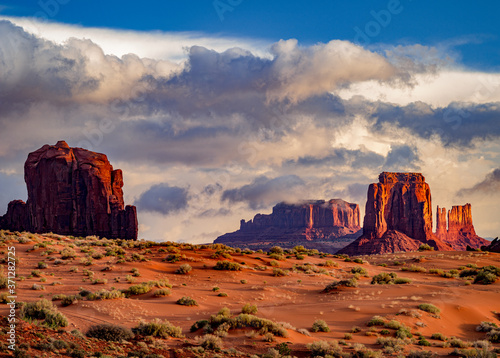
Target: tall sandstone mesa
{"x": 398, "y": 216}
{"x": 72, "y": 191}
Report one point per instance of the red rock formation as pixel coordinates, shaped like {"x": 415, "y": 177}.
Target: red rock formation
{"x": 17, "y": 218}
{"x": 398, "y": 216}
{"x": 493, "y": 246}
{"x": 73, "y": 191}
{"x": 460, "y": 233}
{"x": 334, "y": 223}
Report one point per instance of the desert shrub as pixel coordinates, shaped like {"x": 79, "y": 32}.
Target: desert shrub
{"x": 486, "y": 326}
{"x": 428, "y": 307}
{"x": 279, "y": 257}
{"x": 355, "y": 329}
{"x": 42, "y": 265}
{"x": 68, "y": 253}
{"x": 329, "y": 263}
{"x": 342, "y": 283}
{"x": 468, "y": 273}
{"x": 222, "y": 294}
{"x": 325, "y": 349}
{"x": 135, "y": 272}
{"x": 276, "y": 250}
{"x": 184, "y": 269}
{"x": 393, "y": 324}
{"x": 376, "y": 321}
{"x": 69, "y": 300}
{"x": 358, "y": 260}
{"x": 36, "y": 273}
{"x": 402, "y": 281}
{"x": 283, "y": 349}
{"x": 277, "y": 272}
{"x": 425, "y": 247}
{"x": 203, "y": 323}
{"x": 384, "y": 278}
{"x": 359, "y": 270}
{"x": 110, "y": 332}
{"x": 174, "y": 258}
{"x": 397, "y": 344}
{"x": 458, "y": 343}
{"x": 210, "y": 342}
{"x": 228, "y": 266}
{"x": 103, "y": 295}
{"x": 158, "y": 328}
{"x": 186, "y": 301}
{"x": 493, "y": 336}
{"x": 439, "y": 337}
{"x": 320, "y": 326}
{"x": 37, "y": 287}
{"x": 138, "y": 289}
{"x": 162, "y": 292}
{"x": 486, "y": 276}
{"x": 414, "y": 268}
{"x": 249, "y": 309}
{"x": 423, "y": 342}
{"x": 43, "y": 310}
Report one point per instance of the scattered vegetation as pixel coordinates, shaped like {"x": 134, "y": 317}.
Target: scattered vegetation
{"x": 228, "y": 266}
{"x": 428, "y": 307}
{"x": 187, "y": 301}
{"x": 320, "y": 326}
{"x": 184, "y": 269}
{"x": 45, "y": 311}
{"x": 158, "y": 328}
{"x": 110, "y": 332}
{"x": 334, "y": 286}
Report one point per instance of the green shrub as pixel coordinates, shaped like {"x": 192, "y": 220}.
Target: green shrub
{"x": 320, "y": 326}
{"x": 423, "y": 342}
{"x": 162, "y": 292}
{"x": 249, "y": 309}
{"x": 425, "y": 247}
{"x": 68, "y": 253}
{"x": 458, "y": 343}
{"x": 359, "y": 270}
{"x": 186, "y": 301}
{"x": 43, "y": 310}
{"x": 184, "y": 269}
{"x": 68, "y": 300}
{"x": 210, "y": 342}
{"x": 222, "y": 294}
{"x": 414, "y": 268}
{"x": 439, "y": 337}
{"x": 402, "y": 281}
{"x": 158, "y": 328}
{"x": 277, "y": 272}
{"x": 427, "y": 307}
{"x": 420, "y": 354}
{"x": 228, "y": 266}
{"x": 42, "y": 265}
{"x": 376, "y": 321}
{"x": 384, "y": 278}
{"x": 276, "y": 250}
{"x": 342, "y": 283}
{"x": 485, "y": 278}
{"x": 468, "y": 273}
{"x": 110, "y": 332}
{"x": 325, "y": 349}
{"x": 138, "y": 289}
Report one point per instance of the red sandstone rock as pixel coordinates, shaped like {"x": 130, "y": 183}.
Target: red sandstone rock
{"x": 460, "y": 232}
{"x": 334, "y": 223}
{"x": 398, "y": 216}
{"x": 493, "y": 246}
{"x": 73, "y": 191}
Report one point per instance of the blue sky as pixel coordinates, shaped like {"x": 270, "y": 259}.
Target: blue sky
{"x": 471, "y": 29}
{"x": 217, "y": 113}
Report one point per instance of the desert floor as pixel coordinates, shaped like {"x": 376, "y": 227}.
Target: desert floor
{"x": 295, "y": 298}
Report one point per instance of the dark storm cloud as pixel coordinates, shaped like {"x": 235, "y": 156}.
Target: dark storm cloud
{"x": 163, "y": 199}
{"x": 458, "y": 124}
{"x": 264, "y": 192}
{"x": 342, "y": 157}
{"x": 402, "y": 158}
{"x": 490, "y": 185}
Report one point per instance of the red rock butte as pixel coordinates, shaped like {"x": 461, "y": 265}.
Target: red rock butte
{"x": 328, "y": 225}
{"x": 398, "y": 217}
{"x": 72, "y": 191}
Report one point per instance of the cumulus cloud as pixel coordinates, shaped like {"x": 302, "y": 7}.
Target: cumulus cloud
{"x": 359, "y": 158}
{"x": 163, "y": 199}
{"x": 490, "y": 185}
{"x": 264, "y": 192}
{"x": 402, "y": 158}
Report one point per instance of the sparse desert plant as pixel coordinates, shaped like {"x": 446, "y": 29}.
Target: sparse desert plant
{"x": 402, "y": 281}
{"x": 420, "y": 354}
{"x": 184, "y": 269}
{"x": 162, "y": 292}
{"x": 110, "y": 332}
{"x": 414, "y": 268}
{"x": 68, "y": 300}
{"x": 458, "y": 343}
{"x": 138, "y": 289}
{"x": 487, "y": 275}
{"x": 227, "y": 265}
{"x": 43, "y": 310}
{"x": 384, "y": 278}
{"x": 277, "y": 272}
{"x": 186, "y": 301}
{"x": 325, "y": 349}
{"x": 428, "y": 307}
{"x": 222, "y": 294}
{"x": 158, "y": 328}
{"x": 42, "y": 265}
{"x": 376, "y": 321}
{"x": 274, "y": 263}
{"x": 320, "y": 326}
{"x": 68, "y": 253}
{"x": 423, "y": 342}
{"x": 439, "y": 337}
{"x": 342, "y": 283}
{"x": 469, "y": 273}
{"x": 359, "y": 270}
{"x": 425, "y": 247}
{"x": 249, "y": 309}
{"x": 210, "y": 342}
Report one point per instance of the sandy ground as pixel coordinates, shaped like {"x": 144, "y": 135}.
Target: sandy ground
{"x": 295, "y": 298}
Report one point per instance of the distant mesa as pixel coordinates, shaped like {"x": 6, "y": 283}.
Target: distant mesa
{"x": 459, "y": 233}
{"x": 72, "y": 191}
{"x": 493, "y": 246}
{"x": 398, "y": 217}
{"x": 323, "y": 225}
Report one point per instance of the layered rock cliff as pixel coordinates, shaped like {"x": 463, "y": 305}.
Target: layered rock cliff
{"x": 318, "y": 224}
{"x": 72, "y": 191}
{"x": 460, "y": 232}
{"x": 398, "y": 216}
